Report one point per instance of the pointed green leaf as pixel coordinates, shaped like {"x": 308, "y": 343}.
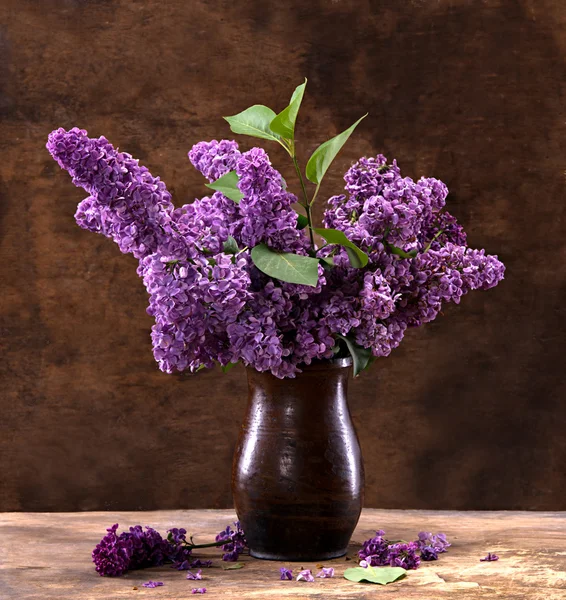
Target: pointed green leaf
{"x": 402, "y": 253}
{"x": 284, "y": 122}
{"x": 230, "y": 246}
{"x": 323, "y": 156}
{"x": 254, "y": 121}
{"x": 357, "y": 257}
{"x": 327, "y": 262}
{"x": 285, "y": 266}
{"x": 302, "y": 221}
{"x": 379, "y": 575}
{"x": 360, "y": 356}
{"x": 228, "y": 185}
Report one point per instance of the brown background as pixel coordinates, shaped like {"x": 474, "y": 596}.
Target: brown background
{"x": 468, "y": 413}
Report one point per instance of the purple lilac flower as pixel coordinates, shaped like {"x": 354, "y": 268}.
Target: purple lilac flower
{"x": 285, "y": 574}
{"x": 438, "y": 543}
{"x": 198, "y": 591}
{"x": 134, "y": 549}
{"x": 374, "y": 550}
{"x": 235, "y": 542}
{"x": 429, "y": 553}
{"x": 126, "y": 203}
{"x": 196, "y": 563}
{"x": 152, "y": 584}
{"x": 326, "y": 572}
{"x": 403, "y": 555}
{"x": 214, "y": 159}
{"x": 265, "y": 209}
{"x": 194, "y": 576}
{"x": 490, "y": 557}
{"x": 212, "y": 307}
{"x": 305, "y": 575}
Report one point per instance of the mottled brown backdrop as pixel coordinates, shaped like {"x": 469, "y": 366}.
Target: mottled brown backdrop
{"x": 469, "y": 412}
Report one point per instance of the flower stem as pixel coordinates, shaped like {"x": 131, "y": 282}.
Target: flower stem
{"x": 307, "y": 204}
{"x": 210, "y": 545}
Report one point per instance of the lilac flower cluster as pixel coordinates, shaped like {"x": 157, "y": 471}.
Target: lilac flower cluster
{"x": 378, "y": 551}
{"x": 211, "y": 304}
{"x": 134, "y": 549}
{"x": 235, "y": 542}
{"x": 139, "y": 548}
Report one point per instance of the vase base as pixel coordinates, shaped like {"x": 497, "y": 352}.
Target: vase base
{"x": 301, "y": 557}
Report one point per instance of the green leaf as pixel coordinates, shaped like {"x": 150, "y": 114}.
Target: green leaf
{"x": 228, "y": 185}
{"x": 361, "y": 356}
{"x": 285, "y": 266}
{"x": 327, "y": 262}
{"x": 379, "y": 575}
{"x": 323, "y": 156}
{"x": 230, "y": 246}
{"x": 402, "y": 253}
{"x": 254, "y": 121}
{"x": 232, "y": 566}
{"x": 357, "y": 257}
{"x": 284, "y": 122}
{"x": 302, "y": 221}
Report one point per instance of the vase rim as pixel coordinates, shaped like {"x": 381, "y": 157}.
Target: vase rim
{"x": 318, "y": 365}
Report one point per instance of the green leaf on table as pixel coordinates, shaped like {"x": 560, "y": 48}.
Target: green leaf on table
{"x": 379, "y": 575}
{"x": 230, "y": 246}
{"x": 360, "y": 356}
{"x": 402, "y": 253}
{"x": 254, "y": 121}
{"x": 232, "y": 566}
{"x": 227, "y": 185}
{"x": 284, "y": 122}
{"x": 323, "y": 156}
{"x": 286, "y": 266}
{"x": 302, "y": 221}
{"x": 357, "y": 257}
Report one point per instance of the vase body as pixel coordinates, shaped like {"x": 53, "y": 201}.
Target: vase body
{"x": 298, "y": 475}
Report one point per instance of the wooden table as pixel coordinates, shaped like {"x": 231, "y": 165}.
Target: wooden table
{"x": 47, "y": 556}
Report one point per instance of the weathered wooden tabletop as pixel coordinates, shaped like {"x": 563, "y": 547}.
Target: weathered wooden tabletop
{"x": 47, "y": 556}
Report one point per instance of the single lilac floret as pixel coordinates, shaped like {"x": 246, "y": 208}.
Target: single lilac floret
{"x": 305, "y": 575}
{"x": 153, "y": 584}
{"x": 194, "y": 576}
{"x": 235, "y": 542}
{"x": 285, "y": 574}
{"x": 489, "y": 558}
{"x": 198, "y": 591}
{"x": 326, "y": 572}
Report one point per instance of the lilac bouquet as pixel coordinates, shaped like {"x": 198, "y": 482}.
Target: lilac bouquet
{"x": 241, "y": 275}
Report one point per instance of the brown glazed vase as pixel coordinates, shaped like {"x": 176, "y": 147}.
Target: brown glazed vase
{"x": 298, "y": 475}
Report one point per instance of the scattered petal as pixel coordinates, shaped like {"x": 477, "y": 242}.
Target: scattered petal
{"x": 152, "y": 584}
{"x": 286, "y": 573}
{"x": 305, "y": 575}
{"x": 198, "y": 591}
{"x": 489, "y": 558}
{"x": 326, "y": 572}
{"x": 194, "y": 576}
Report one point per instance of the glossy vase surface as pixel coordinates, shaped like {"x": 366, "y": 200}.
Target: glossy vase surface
{"x": 298, "y": 475}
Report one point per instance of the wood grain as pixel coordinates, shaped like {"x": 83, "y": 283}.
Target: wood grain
{"x": 468, "y": 413}
{"x": 47, "y": 557}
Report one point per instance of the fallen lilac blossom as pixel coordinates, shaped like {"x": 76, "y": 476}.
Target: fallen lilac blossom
{"x": 326, "y": 572}
{"x": 194, "y": 576}
{"x": 286, "y": 574}
{"x": 305, "y": 575}
{"x": 489, "y": 558}
{"x": 198, "y": 591}
{"x": 152, "y": 584}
